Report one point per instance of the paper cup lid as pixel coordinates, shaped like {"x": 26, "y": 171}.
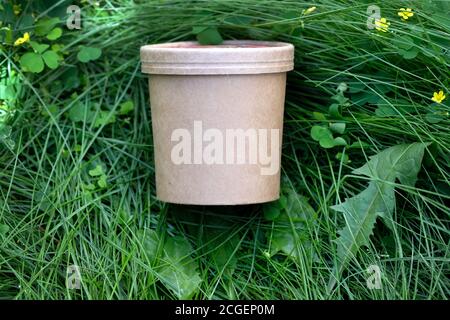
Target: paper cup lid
{"x": 230, "y": 57}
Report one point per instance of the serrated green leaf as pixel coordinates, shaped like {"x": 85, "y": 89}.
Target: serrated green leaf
{"x": 178, "y": 269}
{"x": 360, "y": 212}
{"x": 402, "y": 162}
{"x": 51, "y": 59}
{"x": 172, "y": 262}
{"x": 32, "y": 62}
{"x": 151, "y": 244}
{"x": 221, "y": 246}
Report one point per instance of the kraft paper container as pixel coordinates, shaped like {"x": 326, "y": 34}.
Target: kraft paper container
{"x": 194, "y": 88}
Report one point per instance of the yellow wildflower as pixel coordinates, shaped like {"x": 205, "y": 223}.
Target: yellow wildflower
{"x": 382, "y": 25}
{"x": 22, "y": 40}
{"x": 309, "y": 10}
{"x": 405, "y": 13}
{"x": 438, "y": 96}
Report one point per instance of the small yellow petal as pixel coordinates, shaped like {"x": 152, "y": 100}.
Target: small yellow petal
{"x": 22, "y": 40}
{"x": 438, "y": 96}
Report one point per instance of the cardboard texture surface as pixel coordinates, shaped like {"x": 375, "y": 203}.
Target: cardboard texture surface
{"x": 205, "y": 100}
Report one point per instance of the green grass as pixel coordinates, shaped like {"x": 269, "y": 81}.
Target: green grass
{"x": 54, "y": 220}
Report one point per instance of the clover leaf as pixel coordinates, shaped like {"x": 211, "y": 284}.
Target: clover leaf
{"x": 87, "y": 54}
{"x": 51, "y": 59}
{"x": 32, "y": 62}
{"x": 35, "y": 61}
{"x": 54, "y": 34}
{"x": 46, "y": 26}
{"x": 38, "y": 47}
{"x": 325, "y": 137}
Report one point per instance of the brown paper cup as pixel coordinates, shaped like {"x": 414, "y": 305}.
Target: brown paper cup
{"x": 217, "y": 120}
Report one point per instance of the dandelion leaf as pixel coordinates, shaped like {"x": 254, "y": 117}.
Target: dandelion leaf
{"x": 360, "y": 212}
{"x": 172, "y": 263}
